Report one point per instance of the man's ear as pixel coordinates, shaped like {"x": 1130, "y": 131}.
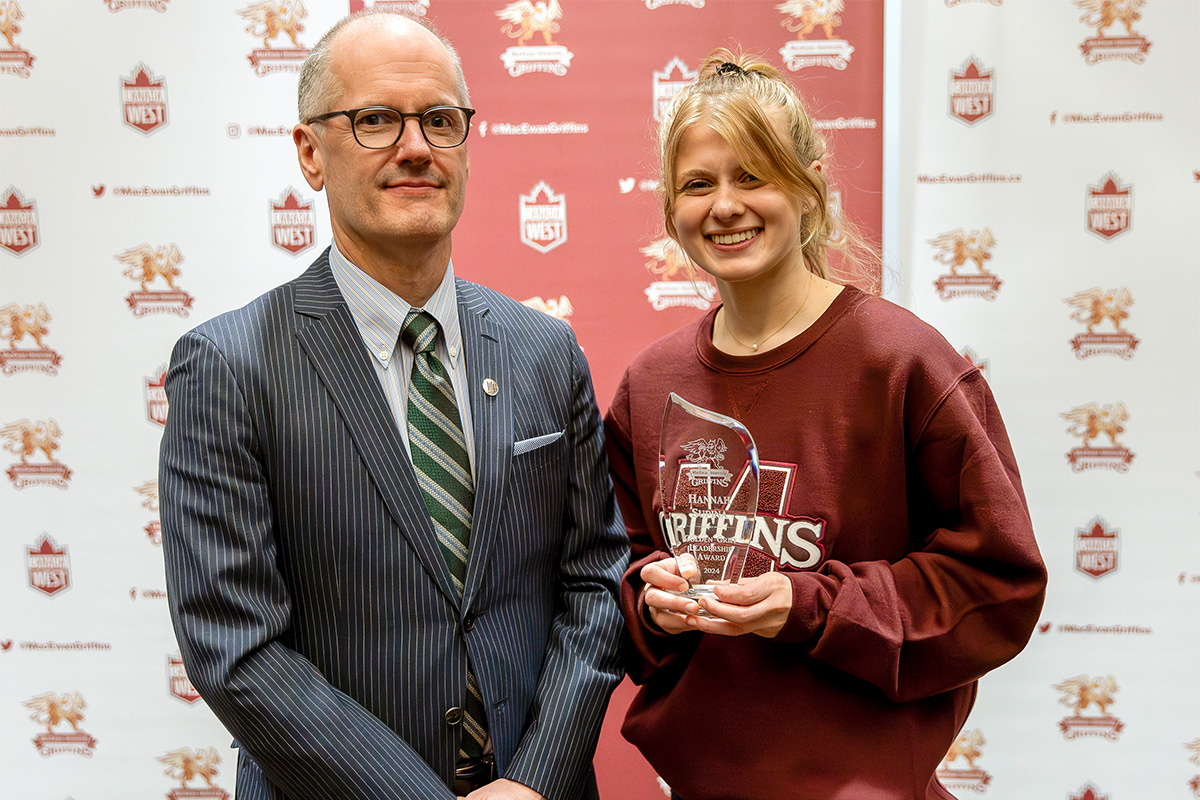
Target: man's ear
{"x": 308, "y": 153}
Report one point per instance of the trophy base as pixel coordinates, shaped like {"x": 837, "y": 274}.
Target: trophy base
{"x": 695, "y": 593}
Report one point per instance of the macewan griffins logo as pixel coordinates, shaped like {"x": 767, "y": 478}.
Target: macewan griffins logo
{"x": 522, "y": 20}
{"x": 186, "y": 764}
{"x": 1080, "y": 693}
{"x": 972, "y": 92}
{"x": 13, "y": 60}
{"x": 268, "y": 19}
{"x": 969, "y": 747}
{"x": 1092, "y": 307}
{"x": 25, "y": 438}
{"x": 957, "y": 247}
{"x": 804, "y": 17}
{"x": 1102, "y": 15}
{"x": 677, "y": 282}
{"x": 1090, "y": 421}
{"x": 17, "y": 322}
{"x": 144, "y": 100}
{"x": 52, "y": 710}
{"x": 1109, "y": 207}
{"x": 145, "y": 264}
{"x": 18, "y": 223}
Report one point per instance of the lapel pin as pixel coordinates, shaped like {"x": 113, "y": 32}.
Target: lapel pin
{"x": 490, "y": 387}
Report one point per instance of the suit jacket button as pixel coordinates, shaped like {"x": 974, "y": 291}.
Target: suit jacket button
{"x": 454, "y": 715}
{"x": 469, "y": 624}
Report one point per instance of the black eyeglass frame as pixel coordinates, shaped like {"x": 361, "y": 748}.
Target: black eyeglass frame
{"x": 352, "y": 115}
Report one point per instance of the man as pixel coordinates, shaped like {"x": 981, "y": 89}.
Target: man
{"x": 392, "y": 547}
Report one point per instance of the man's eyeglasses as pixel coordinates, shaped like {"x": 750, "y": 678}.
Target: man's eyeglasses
{"x": 380, "y": 127}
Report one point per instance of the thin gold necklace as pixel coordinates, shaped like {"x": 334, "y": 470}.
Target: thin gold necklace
{"x": 765, "y": 339}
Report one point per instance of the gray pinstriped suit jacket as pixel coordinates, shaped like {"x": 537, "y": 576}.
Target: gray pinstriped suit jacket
{"x": 313, "y": 608}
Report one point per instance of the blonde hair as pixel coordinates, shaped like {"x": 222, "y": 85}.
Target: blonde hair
{"x": 736, "y": 95}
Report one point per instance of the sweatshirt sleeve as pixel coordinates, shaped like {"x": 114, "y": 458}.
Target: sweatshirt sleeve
{"x": 966, "y": 599}
{"x": 649, "y": 649}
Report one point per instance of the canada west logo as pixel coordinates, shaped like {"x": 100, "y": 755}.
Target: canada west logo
{"x": 1081, "y": 693}
{"x": 804, "y": 17}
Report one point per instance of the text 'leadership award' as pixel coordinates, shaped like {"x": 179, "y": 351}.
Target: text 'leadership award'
{"x": 708, "y": 480}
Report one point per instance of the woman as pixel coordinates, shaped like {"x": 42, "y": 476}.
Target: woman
{"x": 845, "y": 662}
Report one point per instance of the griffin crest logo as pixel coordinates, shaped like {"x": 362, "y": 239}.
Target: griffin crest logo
{"x": 146, "y": 264}
{"x": 954, "y": 249}
{"x": 149, "y": 494}
{"x": 18, "y": 322}
{"x": 1093, "y": 307}
{"x": 13, "y": 60}
{"x": 49, "y": 566}
{"x": 1079, "y": 694}
{"x": 18, "y": 223}
{"x": 293, "y": 222}
{"x": 972, "y": 91}
{"x": 1103, "y": 15}
{"x": 523, "y": 19}
{"x": 268, "y": 20}
{"x": 543, "y": 218}
{"x": 1096, "y": 549}
{"x": 1091, "y": 421}
{"x": 803, "y": 17}
{"x": 559, "y": 308}
{"x": 677, "y": 282}
{"x": 52, "y": 710}
{"x": 186, "y": 765}
{"x": 26, "y": 438}
{"x": 144, "y": 100}
{"x": 969, "y": 747}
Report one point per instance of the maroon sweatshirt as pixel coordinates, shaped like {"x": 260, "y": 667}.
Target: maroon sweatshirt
{"x": 889, "y": 495}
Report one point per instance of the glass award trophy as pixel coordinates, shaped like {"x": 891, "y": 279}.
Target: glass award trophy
{"x": 708, "y": 481}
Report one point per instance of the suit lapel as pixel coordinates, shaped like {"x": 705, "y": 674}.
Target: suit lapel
{"x": 331, "y": 340}
{"x": 486, "y": 350}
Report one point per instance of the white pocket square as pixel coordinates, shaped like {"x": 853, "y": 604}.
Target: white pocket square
{"x": 525, "y": 445}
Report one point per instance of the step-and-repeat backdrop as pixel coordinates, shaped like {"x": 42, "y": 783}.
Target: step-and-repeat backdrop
{"x": 1047, "y": 181}
{"x": 1049, "y": 207}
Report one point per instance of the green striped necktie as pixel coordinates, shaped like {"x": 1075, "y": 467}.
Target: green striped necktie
{"x": 439, "y": 456}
